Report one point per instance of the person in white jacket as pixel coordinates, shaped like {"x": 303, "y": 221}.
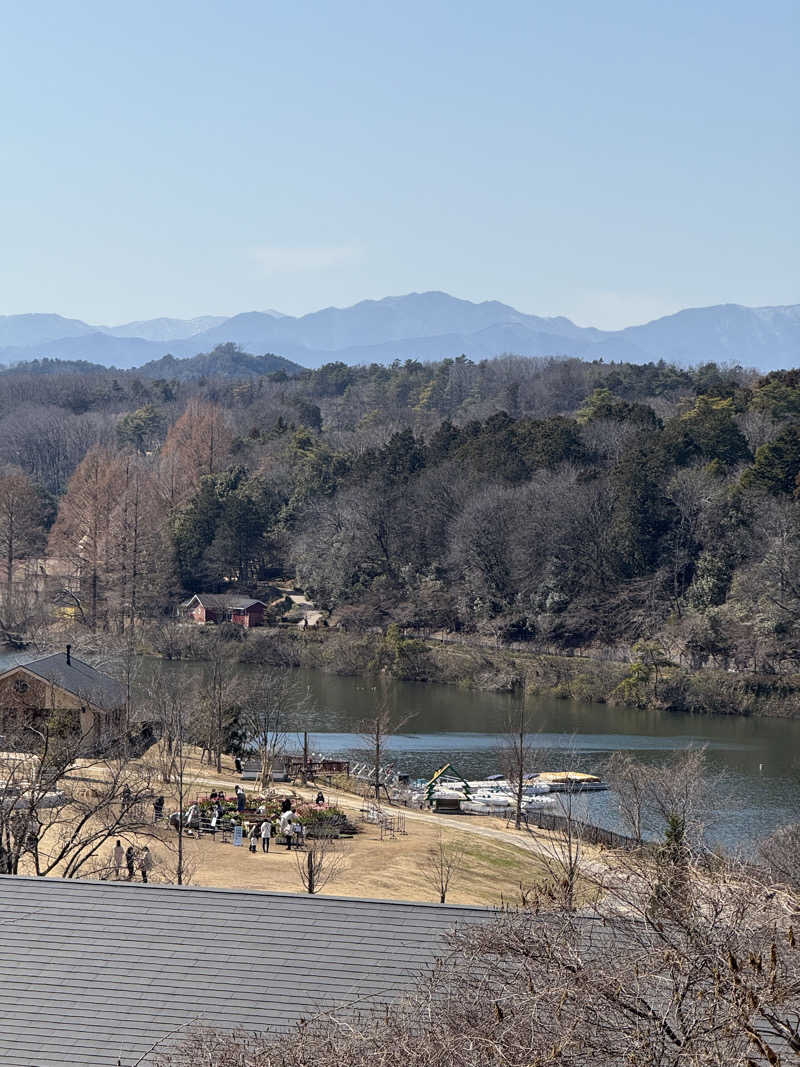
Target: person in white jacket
{"x": 266, "y": 834}
{"x": 287, "y": 826}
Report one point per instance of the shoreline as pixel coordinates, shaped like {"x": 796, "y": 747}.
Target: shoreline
{"x": 666, "y": 687}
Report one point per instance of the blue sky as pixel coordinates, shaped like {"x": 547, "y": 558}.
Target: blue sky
{"x": 611, "y": 162}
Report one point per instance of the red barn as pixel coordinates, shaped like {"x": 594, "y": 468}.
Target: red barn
{"x": 224, "y": 607}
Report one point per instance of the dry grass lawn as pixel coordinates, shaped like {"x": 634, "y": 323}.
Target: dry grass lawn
{"x": 490, "y": 873}
{"x": 392, "y": 869}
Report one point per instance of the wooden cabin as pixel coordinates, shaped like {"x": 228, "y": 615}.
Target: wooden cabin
{"x": 224, "y": 607}
{"x": 62, "y": 689}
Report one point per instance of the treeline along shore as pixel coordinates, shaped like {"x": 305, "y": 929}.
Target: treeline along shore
{"x": 606, "y": 531}
{"x": 458, "y": 660}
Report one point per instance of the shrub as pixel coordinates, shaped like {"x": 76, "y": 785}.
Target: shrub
{"x": 231, "y": 631}
{"x": 324, "y": 820}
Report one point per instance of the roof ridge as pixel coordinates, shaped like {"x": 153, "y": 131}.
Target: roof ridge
{"x": 72, "y": 661}
{"x": 259, "y": 893}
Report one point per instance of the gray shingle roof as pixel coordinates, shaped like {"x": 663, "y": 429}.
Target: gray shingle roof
{"x": 79, "y": 678}
{"x": 223, "y": 601}
{"x": 94, "y": 972}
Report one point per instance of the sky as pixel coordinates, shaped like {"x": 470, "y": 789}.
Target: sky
{"x": 610, "y": 162}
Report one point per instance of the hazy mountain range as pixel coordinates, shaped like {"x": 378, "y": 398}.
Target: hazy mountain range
{"x": 425, "y": 326}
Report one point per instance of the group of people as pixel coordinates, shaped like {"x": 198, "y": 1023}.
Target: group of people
{"x": 289, "y": 826}
{"x": 218, "y": 801}
{"x": 262, "y": 831}
{"x": 131, "y": 859}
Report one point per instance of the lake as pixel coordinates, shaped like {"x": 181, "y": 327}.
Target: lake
{"x": 760, "y": 758}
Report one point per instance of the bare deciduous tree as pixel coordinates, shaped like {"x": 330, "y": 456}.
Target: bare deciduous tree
{"x": 517, "y": 753}
{"x": 170, "y": 704}
{"x": 627, "y": 776}
{"x": 271, "y": 700}
{"x": 443, "y": 862}
{"x": 375, "y": 733}
{"x": 715, "y": 987}
{"x": 652, "y": 796}
{"x": 197, "y": 444}
{"x": 780, "y": 854}
{"x": 561, "y": 852}
{"x": 21, "y": 520}
{"x": 220, "y": 693}
{"x": 321, "y": 863}
{"x": 59, "y": 817}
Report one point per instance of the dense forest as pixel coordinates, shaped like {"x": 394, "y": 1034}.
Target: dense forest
{"x": 558, "y": 503}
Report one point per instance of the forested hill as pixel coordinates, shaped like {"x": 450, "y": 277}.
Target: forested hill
{"x": 224, "y": 361}
{"x": 558, "y": 502}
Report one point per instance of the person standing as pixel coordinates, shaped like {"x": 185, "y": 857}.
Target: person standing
{"x": 241, "y": 799}
{"x": 119, "y": 859}
{"x": 130, "y": 860}
{"x": 266, "y": 834}
{"x": 145, "y": 863}
{"x": 253, "y": 835}
{"x": 287, "y": 826}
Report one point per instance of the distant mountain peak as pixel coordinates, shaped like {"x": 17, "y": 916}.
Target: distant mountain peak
{"x": 164, "y": 329}
{"x": 425, "y": 325}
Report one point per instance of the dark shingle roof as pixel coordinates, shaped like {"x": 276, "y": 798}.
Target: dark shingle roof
{"x": 79, "y": 678}
{"x": 94, "y": 972}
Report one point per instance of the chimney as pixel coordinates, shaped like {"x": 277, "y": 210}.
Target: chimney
{"x": 69, "y": 658}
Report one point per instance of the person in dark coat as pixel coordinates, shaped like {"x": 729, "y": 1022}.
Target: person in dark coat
{"x": 145, "y": 863}
{"x": 241, "y": 799}
{"x": 130, "y": 861}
